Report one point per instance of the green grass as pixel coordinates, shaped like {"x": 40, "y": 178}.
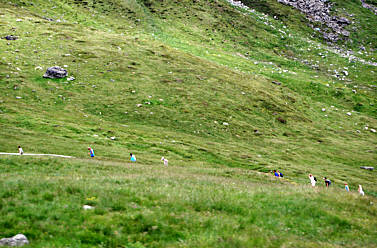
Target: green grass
{"x": 192, "y": 65}
{"x": 187, "y": 206}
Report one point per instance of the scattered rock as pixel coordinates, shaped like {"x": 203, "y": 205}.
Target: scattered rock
{"x": 320, "y": 11}
{"x": 349, "y": 113}
{"x": 373, "y": 130}
{"x": 38, "y": 68}
{"x": 18, "y": 97}
{"x": 10, "y": 37}
{"x": 275, "y": 82}
{"x": 225, "y": 123}
{"x": 323, "y": 110}
{"x": 112, "y": 138}
{"x": 17, "y": 240}
{"x": 367, "y": 167}
{"x": 55, "y": 72}
{"x": 369, "y": 6}
{"x": 71, "y": 78}
{"x": 87, "y": 207}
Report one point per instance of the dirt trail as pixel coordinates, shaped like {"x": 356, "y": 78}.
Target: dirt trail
{"x": 32, "y": 154}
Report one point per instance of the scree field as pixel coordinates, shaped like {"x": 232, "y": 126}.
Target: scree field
{"x": 226, "y": 94}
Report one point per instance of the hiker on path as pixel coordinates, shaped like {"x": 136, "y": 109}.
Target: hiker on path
{"x": 327, "y": 182}
{"x": 346, "y": 187}
{"x": 276, "y": 174}
{"x": 20, "y": 151}
{"x": 91, "y": 152}
{"x": 133, "y": 158}
{"x": 361, "y": 192}
{"x": 280, "y": 174}
{"x": 163, "y": 159}
{"x": 312, "y": 180}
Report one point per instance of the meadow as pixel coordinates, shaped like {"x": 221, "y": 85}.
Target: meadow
{"x": 191, "y": 81}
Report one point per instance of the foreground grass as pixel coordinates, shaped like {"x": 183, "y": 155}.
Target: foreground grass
{"x": 155, "y": 206}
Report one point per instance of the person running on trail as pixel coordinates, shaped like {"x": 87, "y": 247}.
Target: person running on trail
{"x": 346, "y": 187}
{"x": 20, "y": 151}
{"x": 91, "y": 152}
{"x": 163, "y": 159}
{"x": 276, "y": 174}
{"x": 361, "y": 192}
{"x": 327, "y": 182}
{"x": 133, "y": 158}
{"x": 280, "y": 174}
{"x": 312, "y": 180}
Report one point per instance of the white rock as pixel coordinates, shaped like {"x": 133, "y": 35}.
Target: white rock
{"x": 38, "y": 68}
{"x": 17, "y": 240}
{"x": 19, "y": 20}
{"x": 139, "y": 105}
{"x": 18, "y": 97}
{"x": 349, "y": 113}
{"x": 71, "y": 78}
{"x": 225, "y": 123}
{"x": 373, "y": 130}
{"x": 112, "y": 138}
{"x": 95, "y": 135}
{"x": 87, "y": 207}
{"x": 366, "y": 128}
{"x": 323, "y": 109}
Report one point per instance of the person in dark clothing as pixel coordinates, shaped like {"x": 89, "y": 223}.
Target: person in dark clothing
{"x": 327, "y": 182}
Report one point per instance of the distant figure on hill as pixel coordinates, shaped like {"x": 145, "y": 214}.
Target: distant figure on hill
{"x": 20, "y": 151}
{"x": 276, "y": 174}
{"x": 132, "y": 157}
{"x": 91, "y": 152}
{"x": 280, "y": 174}
{"x": 312, "y": 180}
{"x": 327, "y": 182}
{"x": 346, "y": 187}
{"x": 361, "y": 192}
{"x": 163, "y": 159}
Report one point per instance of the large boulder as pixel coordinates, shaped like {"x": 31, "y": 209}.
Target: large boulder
{"x": 18, "y": 240}
{"x": 55, "y": 72}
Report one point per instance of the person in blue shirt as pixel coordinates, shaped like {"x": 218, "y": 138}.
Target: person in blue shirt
{"x": 276, "y": 174}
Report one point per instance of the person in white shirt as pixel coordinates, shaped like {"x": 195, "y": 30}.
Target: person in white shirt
{"x": 163, "y": 159}
{"x": 361, "y": 192}
{"x": 312, "y": 180}
{"x": 20, "y": 151}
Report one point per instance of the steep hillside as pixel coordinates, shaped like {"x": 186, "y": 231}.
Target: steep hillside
{"x": 204, "y": 83}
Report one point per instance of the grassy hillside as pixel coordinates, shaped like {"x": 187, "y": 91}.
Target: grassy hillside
{"x": 192, "y": 81}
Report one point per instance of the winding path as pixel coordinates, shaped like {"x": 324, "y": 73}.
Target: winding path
{"x": 32, "y": 154}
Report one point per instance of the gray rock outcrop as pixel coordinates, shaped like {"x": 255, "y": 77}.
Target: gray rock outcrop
{"x": 369, "y": 6}
{"x": 320, "y": 11}
{"x": 17, "y": 240}
{"x": 55, "y": 72}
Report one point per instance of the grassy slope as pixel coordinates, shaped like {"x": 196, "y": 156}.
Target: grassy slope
{"x": 198, "y": 58}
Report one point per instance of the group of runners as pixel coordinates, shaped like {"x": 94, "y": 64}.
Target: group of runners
{"x": 313, "y": 181}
